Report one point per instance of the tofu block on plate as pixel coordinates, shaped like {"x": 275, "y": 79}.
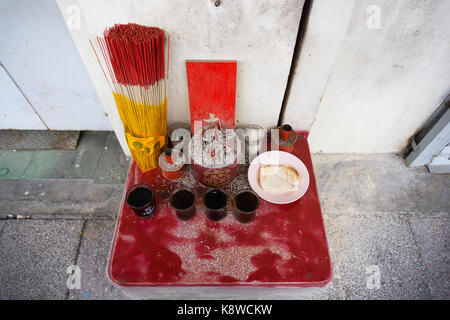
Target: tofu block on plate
{"x": 278, "y": 178}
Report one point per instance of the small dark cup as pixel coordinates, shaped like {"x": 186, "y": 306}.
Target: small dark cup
{"x": 246, "y": 202}
{"x": 183, "y": 202}
{"x": 215, "y": 201}
{"x": 141, "y": 199}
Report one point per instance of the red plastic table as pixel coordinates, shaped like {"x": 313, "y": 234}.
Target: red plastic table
{"x": 285, "y": 246}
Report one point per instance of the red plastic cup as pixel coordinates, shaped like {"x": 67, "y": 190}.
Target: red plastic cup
{"x": 168, "y": 154}
{"x": 246, "y": 203}
{"x": 173, "y": 175}
{"x": 215, "y": 201}
{"x": 141, "y": 200}
{"x": 170, "y": 170}
{"x": 285, "y": 132}
{"x": 183, "y": 203}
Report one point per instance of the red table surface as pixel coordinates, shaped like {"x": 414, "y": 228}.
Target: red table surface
{"x": 285, "y": 246}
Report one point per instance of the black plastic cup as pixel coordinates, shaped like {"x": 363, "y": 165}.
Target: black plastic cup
{"x": 215, "y": 201}
{"x": 183, "y": 202}
{"x": 246, "y": 202}
{"x": 140, "y": 198}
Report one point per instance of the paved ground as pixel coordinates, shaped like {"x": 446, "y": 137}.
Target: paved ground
{"x": 384, "y": 221}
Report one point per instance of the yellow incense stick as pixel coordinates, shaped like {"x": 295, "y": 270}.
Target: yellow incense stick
{"x": 145, "y": 129}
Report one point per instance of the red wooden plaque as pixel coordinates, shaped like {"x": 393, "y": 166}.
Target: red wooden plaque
{"x": 212, "y": 91}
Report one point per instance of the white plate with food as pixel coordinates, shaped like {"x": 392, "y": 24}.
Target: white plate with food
{"x": 278, "y": 177}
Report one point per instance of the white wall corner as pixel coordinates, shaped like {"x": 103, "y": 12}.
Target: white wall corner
{"x": 327, "y": 26}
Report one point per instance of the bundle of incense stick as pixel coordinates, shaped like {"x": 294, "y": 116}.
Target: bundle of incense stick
{"x": 134, "y": 58}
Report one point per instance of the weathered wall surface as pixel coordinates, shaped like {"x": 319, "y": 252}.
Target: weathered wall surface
{"x": 260, "y": 35}
{"x": 373, "y": 70}
{"x": 370, "y": 72}
{"x": 39, "y": 57}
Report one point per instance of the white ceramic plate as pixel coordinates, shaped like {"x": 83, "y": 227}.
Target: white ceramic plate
{"x": 278, "y": 158}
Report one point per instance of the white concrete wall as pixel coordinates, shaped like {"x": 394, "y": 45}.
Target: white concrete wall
{"x": 372, "y": 87}
{"x": 37, "y": 51}
{"x": 15, "y": 111}
{"x": 260, "y": 35}
{"x": 358, "y": 89}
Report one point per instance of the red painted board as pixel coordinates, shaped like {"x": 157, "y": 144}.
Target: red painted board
{"x": 285, "y": 246}
{"x": 212, "y": 89}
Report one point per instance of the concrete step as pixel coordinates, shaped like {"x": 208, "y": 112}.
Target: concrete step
{"x": 59, "y": 198}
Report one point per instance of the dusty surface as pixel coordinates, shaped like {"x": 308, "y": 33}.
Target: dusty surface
{"x": 382, "y": 220}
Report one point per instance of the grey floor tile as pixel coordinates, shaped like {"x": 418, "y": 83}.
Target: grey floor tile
{"x": 334, "y": 289}
{"x": 373, "y": 183}
{"x": 62, "y": 198}
{"x": 432, "y": 237}
{"x": 220, "y": 293}
{"x": 69, "y": 164}
{"x": 34, "y": 257}
{"x": 92, "y": 259}
{"x": 113, "y": 165}
{"x": 367, "y": 246}
{"x": 14, "y": 163}
{"x": 328, "y": 292}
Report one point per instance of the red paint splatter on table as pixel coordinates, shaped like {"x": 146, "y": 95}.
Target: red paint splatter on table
{"x": 284, "y": 246}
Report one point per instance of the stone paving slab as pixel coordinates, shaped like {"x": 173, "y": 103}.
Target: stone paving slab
{"x": 332, "y": 291}
{"x": 34, "y": 257}
{"x": 113, "y": 164}
{"x": 14, "y": 163}
{"x": 433, "y": 236}
{"x": 60, "y": 198}
{"x": 2, "y": 224}
{"x": 221, "y": 293}
{"x": 335, "y": 289}
{"x": 378, "y": 183}
{"x": 379, "y": 245}
{"x": 92, "y": 259}
{"x": 69, "y": 164}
